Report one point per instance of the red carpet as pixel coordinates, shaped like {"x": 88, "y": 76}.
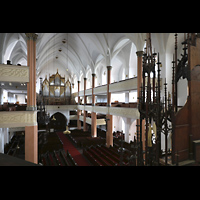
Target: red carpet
{"x": 67, "y": 145}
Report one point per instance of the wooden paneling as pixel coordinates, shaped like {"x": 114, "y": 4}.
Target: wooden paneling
{"x": 187, "y": 120}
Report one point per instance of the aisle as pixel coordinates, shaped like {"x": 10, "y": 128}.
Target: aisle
{"x": 67, "y": 145}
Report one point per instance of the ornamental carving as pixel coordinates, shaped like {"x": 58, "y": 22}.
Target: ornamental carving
{"x": 32, "y": 36}
{"x": 14, "y": 71}
{"x": 18, "y": 119}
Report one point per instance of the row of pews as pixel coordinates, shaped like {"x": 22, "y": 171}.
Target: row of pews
{"x": 116, "y": 134}
{"x": 13, "y": 107}
{"x": 116, "y": 104}
{"x": 100, "y": 155}
{"x": 58, "y": 158}
{"x": 83, "y": 139}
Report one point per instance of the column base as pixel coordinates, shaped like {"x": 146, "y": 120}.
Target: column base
{"x": 31, "y": 108}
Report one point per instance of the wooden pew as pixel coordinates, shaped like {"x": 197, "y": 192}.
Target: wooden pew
{"x": 64, "y": 156}
{"x": 91, "y": 158}
{"x": 97, "y": 157}
{"x": 71, "y": 159}
{"x": 109, "y": 154}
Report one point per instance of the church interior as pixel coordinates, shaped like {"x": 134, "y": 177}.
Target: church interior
{"x": 99, "y": 99}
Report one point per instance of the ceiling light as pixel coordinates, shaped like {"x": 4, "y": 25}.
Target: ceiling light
{"x": 64, "y": 41}
{"x": 10, "y": 84}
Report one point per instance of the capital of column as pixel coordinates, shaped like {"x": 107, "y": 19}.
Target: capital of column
{"x": 78, "y": 81}
{"x": 85, "y": 79}
{"x": 139, "y": 53}
{"x": 32, "y": 36}
{"x": 93, "y": 75}
{"x": 109, "y": 67}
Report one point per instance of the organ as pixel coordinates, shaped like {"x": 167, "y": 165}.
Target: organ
{"x": 56, "y": 91}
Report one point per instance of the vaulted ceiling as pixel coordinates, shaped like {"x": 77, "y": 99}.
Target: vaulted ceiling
{"x": 75, "y": 53}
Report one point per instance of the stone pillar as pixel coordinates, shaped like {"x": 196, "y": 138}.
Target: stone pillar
{"x": 85, "y": 112}
{"x": 108, "y": 82}
{"x": 6, "y": 135}
{"x": 126, "y": 77}
{"x": 31, "y": 144}
{"x": 78, "y": 92}
{"x": 1, "y": 140}
{"x": 93, "y": 86}
{"x": 139, "y": 82}
{"x": 109, "y": 131}
{"x": 31, "y": 62}
{"x": 127, "y": 127}
{"x": 93, "y": 114}
{"x": 78, "y": 111}
{"x": 139, "y": 71}
{"x": 31, "y": 132}
{"x": 126, "y": 97}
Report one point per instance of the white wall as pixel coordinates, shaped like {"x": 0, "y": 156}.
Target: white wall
{"x": 11, "y": 98}
{"x": 21, "y": 98}
{"x": 1, "y": 140}
{"x": 118, "y": 97}
{"x": 5, "y": 96}
{"x": 133, "y": 62}
{"x": 101, "y": 98}
{"x": 1, "y": 96}
{"x": 38, "y": 85}
{"x": 133, "y": 96}
{"x": 127, "y": 125}
{"x": 132, "y": 129}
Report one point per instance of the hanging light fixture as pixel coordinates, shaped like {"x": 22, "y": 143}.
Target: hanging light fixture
{"x": 67, "y": 131}
{"x": 64, "y": 41}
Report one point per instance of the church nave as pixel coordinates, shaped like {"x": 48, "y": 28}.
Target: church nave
{"x": 110, "y": 99}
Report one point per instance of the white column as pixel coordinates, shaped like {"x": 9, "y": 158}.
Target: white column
{"x": 126, "y": 97}
{"x": 1, "y": 141}
{"x": 6, "y": 135}
{"x": 127, "y": 127}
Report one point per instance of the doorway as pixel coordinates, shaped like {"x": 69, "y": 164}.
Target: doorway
{"x": 58, "y": 122}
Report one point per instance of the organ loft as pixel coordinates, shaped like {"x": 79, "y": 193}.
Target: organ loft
{"x": 100, "y": 99}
